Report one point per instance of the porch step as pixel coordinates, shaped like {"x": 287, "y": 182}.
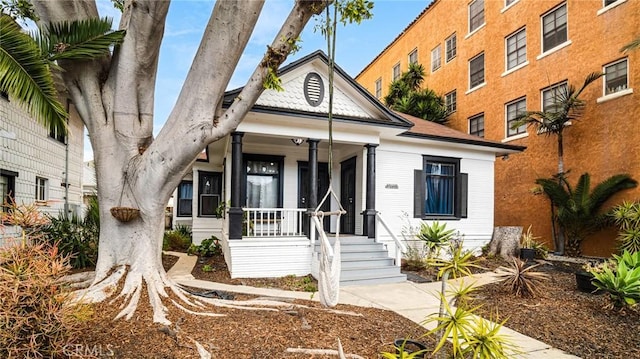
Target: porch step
{"x": 364, "y": 262}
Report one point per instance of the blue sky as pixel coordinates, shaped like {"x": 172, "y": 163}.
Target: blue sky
{"x": 356, "y": 45}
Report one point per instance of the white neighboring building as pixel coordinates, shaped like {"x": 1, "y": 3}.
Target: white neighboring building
{"x": 35, "y": 165}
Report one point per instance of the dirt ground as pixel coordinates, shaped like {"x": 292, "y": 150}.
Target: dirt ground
{"x": 563, "y": 317}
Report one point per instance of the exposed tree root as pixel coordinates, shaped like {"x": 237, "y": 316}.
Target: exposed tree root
{"x": 339, "y": 353}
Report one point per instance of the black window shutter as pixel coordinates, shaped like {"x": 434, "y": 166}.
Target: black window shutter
{"x": 418, "y": 193}
{"x": 463, "y": 190}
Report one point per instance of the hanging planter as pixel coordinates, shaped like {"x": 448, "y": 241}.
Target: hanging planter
{"x": 121, "y": 213}
{"x": 125, "y": 214}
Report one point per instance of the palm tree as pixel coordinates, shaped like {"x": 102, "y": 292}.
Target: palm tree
{"x": 566, "y": 107}
{"x": 406, "y": 96}
{"x": 27, "y": 63}
{"x": 578, "y": 209}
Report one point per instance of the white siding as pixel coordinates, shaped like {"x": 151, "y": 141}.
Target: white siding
{"x": 394, "y": 190}
{"x": 34, "y": 154}
{"x": 273, "y": 257}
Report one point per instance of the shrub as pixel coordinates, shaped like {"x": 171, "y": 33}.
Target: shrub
{"x": 622, "y": 283}
{"x": 36, "y": 319}
{"x": 75, "y": 238}
{"x": 520, "y": 279}
{"x": 435, "y": 237}
{"x": 207, "y": 248}
{"x": 184, "y": 230}
{"x": 175, "y": 241}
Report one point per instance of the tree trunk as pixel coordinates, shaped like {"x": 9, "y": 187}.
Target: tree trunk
{"x": 115, "y": 97}
{"x": 505, "y": 241}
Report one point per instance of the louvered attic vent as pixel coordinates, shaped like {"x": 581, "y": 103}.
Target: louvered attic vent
{"x": 313, "y": 89}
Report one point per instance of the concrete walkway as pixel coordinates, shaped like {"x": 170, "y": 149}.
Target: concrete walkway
{"x": 414, "y": 301}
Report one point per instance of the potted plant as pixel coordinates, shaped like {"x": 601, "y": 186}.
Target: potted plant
{"x": 585, "y": 276}
{"x": 527, "y": 245}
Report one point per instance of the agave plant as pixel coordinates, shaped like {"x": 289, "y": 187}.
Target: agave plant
{"x": 435, "y": 237}
{"x": 521, "y": 280}
{"x": 623, "y": 283}
{"x": 578, "y": 208}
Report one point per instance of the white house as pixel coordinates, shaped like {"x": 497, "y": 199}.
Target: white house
{"x": 36, "y": 165}
{"x": 384, "y": 163}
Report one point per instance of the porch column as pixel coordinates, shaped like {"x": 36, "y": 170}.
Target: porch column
{"x": 313, "y": 183}
{"x": 369, "y": 214}
{"x": 235, "y": 210}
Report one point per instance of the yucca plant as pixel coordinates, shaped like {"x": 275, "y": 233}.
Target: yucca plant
{"x": 435, "y": 237}
{"x": 520, "y": 279}
{"x": 623, "y": 284}
{"x": 403, "y": 353}
{"x": 463, "y": 295}
{"x": 486, "y": 341}
{"x": 453, "y": 325}
{"x": 626, "y": 217}
{"x": 578, "y": 208}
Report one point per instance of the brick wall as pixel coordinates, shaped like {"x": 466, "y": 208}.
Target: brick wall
{"x": 603, "y": 142}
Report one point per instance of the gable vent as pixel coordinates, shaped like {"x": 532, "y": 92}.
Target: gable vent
{"x": 313, "y": 89}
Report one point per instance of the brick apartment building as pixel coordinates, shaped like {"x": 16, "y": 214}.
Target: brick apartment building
{"x": 493, "y": 58}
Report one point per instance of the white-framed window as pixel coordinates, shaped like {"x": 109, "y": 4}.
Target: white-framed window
{"x": 554, "y": 28}
{"x": 476, "y": 71}
{"x": 606, "y": 3}
{"x": 436, "y": 58}
{"x": 450, "y": 47}
{"x": 476, "y": 125}
{"x": 42, "y": 189}
{"x": 379, "y": 88}
{"x": 450, "y": 101}
{"x": 616, "y": 77}
{"x": 552, "y": 96}
{"x": 513, "y": 109}
{"x": 396, "y": 72}
{"x": 476, "y": 15}
{"x": 509, "y": 2}
{"x": 516, "y": 48}
{"x": 413, "y": 57}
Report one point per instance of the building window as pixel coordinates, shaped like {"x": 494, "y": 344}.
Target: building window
{"x": 413, "y": 57}
{"x": 42, "y": 189}
{"x": 513, "y": 110}
{"x": 476, "y": 15}
{"x": 516, "y": 46}
{"x": 476, "y": 125}
{"x": 396, "y": 71}
{"x": 509, "y": 2}
{"x": 58, "y": 135}
{"x": 616, "y": 77}
{"x": 7, "y": 187}
{"x": 554, "y": 28}
{"x": 209, "y": 193}
{"x": 263, "y": 181}
{"x": 450, "y": 100}
{"x": 440, "y": 189}
{"x": 436, "y": 59}
{"x": 185, "y": 198}
{"x": 609, "y": 2}
{"x": 552, "y": 97}
{"x": 378, "y": 88}
{"x": 450, "y": 47}
{"x": 476, "y": 71}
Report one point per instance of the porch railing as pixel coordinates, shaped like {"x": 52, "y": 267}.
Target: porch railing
{"x": 400, "y": 247}
{"x": 273, "y": 222}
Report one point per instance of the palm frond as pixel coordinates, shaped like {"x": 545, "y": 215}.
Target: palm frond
{"x": 632, "y": 45}
{"x": 78, "y": 40}
{"x": 587, "y": 81}
{"x": 26, "y": 76}
{"x": 556, "y": 192}
{"x": 607, "y": 188}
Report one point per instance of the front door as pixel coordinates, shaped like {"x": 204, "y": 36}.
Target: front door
{"x": 323, "y": 186}
{"x": 348, "y": 195}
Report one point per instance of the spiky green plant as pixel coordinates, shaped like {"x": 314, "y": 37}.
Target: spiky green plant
{"x": 435, "y": 237}
{"x": 403, "y": 353}
{"x": 520, "y": 279}
{"x": 486, "y": 341}
{"x": 463, "y": 295}
{"x": 627, "y": 217}
{"x": 578, "y": 208}
{"x": 454, "y": 325}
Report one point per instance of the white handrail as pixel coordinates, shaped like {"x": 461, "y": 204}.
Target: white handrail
{"x": 400, "y": 247}
{"x": 323, "y": 236}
